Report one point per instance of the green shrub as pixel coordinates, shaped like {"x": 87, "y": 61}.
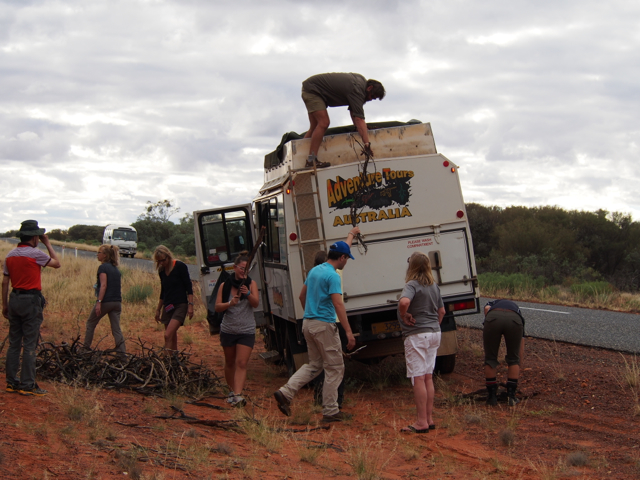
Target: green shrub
{"x": 591, "y": 289}
{"x": 138, "y": 293}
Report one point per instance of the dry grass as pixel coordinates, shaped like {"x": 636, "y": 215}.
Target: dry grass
{"x": 364, "y": 456}
{"x": 577, "y": 459}
{"x": 265, "y": 432}
{"x": 70, "y": 298}
{"x": 629, "y": 379}
{"x": 560, "y": 295}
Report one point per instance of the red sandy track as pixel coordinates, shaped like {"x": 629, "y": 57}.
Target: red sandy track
{"x": 575, "y": 406}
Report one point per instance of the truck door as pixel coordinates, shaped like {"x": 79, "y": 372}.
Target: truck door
{"x": 220, "y": 235}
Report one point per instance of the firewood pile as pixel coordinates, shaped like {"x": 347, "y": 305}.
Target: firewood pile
{"x": 152, "y": 371}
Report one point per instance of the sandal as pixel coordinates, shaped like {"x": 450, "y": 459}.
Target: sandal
{"x": 412, "y": 429}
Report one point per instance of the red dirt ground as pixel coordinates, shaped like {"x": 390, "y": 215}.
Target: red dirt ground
{"x": 577, "y": 420}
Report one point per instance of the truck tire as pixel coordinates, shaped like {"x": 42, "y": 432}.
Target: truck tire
{"x": 445, "y": 364}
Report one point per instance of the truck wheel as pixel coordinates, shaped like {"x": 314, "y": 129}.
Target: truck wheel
{"x": 445, "y": 364}
{"x": 269, "y": 341}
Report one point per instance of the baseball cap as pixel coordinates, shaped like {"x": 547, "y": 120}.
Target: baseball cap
{"x": 342, "y": 247}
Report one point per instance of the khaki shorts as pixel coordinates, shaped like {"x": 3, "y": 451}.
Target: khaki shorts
{"x": 313, "y": 102}
{"x": 179, "y": 314}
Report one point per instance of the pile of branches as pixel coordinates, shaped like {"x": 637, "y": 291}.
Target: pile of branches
{"x": 153, "y": 371}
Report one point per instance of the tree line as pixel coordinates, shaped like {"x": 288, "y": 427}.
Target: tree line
{"x": 550, "y": 244}
{"x": 556, "y": 245}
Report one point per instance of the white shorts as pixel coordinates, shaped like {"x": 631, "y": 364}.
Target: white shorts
{"x": 420, "y": 352}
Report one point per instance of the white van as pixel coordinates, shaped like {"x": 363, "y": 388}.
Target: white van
{"x": 124, "y": 237}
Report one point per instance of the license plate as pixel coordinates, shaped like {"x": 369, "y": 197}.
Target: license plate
{"x": 385, "y": 327}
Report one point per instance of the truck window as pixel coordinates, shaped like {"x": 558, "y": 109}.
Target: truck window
{"x": 224, "y": 235}
{"x": 272, "y": 217}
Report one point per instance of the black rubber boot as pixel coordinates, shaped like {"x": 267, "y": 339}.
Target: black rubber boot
{"x": 511, "y": 393}
{"x": 492, "y": 395}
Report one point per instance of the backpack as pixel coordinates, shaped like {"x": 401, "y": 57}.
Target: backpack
{"x": 215, "y": 318}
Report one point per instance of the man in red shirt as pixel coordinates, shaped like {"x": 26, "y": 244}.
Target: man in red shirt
{"x": 23, "y": 308}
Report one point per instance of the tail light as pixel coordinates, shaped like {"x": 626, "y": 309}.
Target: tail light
{"x": 464, "y": 305}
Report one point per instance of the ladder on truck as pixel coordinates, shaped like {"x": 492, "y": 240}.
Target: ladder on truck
{"x": 307, "y": 209}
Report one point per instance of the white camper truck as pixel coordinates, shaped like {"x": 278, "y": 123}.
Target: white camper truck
{"x": 412, "y": 201}
{"x": 124, "y": 237}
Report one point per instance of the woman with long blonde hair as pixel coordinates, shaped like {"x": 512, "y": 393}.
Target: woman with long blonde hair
{"x": 109, "y": 296}
{"x": 420, "y": 312}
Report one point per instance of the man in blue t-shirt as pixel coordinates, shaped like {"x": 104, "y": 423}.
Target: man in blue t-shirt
{"x": 321, "y": 297}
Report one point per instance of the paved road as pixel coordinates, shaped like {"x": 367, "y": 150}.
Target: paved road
{"x": 139, "y": 263}
{"x": 582, "y": 326}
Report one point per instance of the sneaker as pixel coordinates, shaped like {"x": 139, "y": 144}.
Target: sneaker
{"x": 238, "y": 401}
{"x": 283, "y": 403}
{"x": 35, "y": 391}
{"x": 338, "y": 417}
{"x": 230, "y": 398}
{"x": 11, "y": 388}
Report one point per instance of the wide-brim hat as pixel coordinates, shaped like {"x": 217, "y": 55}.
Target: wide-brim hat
{"x": 30, "y": 228}
{"x": 342, "y": 247}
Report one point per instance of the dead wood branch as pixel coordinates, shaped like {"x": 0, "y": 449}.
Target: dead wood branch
{"x": 153, "y": 371}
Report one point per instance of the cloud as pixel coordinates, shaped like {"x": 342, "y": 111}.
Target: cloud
{"x": 108, "y": 105}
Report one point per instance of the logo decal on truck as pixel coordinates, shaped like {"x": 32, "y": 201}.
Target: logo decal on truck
{"x": 383, "y": 190}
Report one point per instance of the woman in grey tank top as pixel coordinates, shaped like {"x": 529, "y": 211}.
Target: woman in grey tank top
{"x": 237, "y": 298}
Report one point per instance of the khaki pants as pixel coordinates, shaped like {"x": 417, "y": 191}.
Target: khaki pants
{"x": 325, "y": 353}
{"x": 113, "y": 309}
{"x": 497, "y": 324}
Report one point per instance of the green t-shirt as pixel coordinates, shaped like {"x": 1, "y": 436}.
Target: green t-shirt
{"x": 339, "y": 89}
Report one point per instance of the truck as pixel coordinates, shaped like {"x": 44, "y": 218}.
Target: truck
{"x": 125, "y": 237}
{"x": 408, "y": 198}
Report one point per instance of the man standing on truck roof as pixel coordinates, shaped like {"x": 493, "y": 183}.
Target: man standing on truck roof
{"x": 23, "y": 307}
{"x": 321, "y": 297}
{"x": 337, "y": 90}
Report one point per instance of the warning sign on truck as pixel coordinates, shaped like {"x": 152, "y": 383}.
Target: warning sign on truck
{"x": 420, "y": 242}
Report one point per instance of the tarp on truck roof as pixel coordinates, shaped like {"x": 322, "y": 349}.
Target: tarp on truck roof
{"x": 274, "y": 158}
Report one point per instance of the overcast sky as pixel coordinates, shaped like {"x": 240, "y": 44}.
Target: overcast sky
{"x": 105, "y": 105}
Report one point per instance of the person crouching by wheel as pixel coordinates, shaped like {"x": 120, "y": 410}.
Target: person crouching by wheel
{"x": 176, "y": 295}
{"x": 109, "y": 301}
{"x": 502, "y": 318}
{"x": 420, "y": 313}
{"x": 237, "y": 298}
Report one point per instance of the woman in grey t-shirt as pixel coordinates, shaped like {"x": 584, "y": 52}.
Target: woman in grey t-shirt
{"x": 237, "y": 298}
{"x": 420, "y": 312}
